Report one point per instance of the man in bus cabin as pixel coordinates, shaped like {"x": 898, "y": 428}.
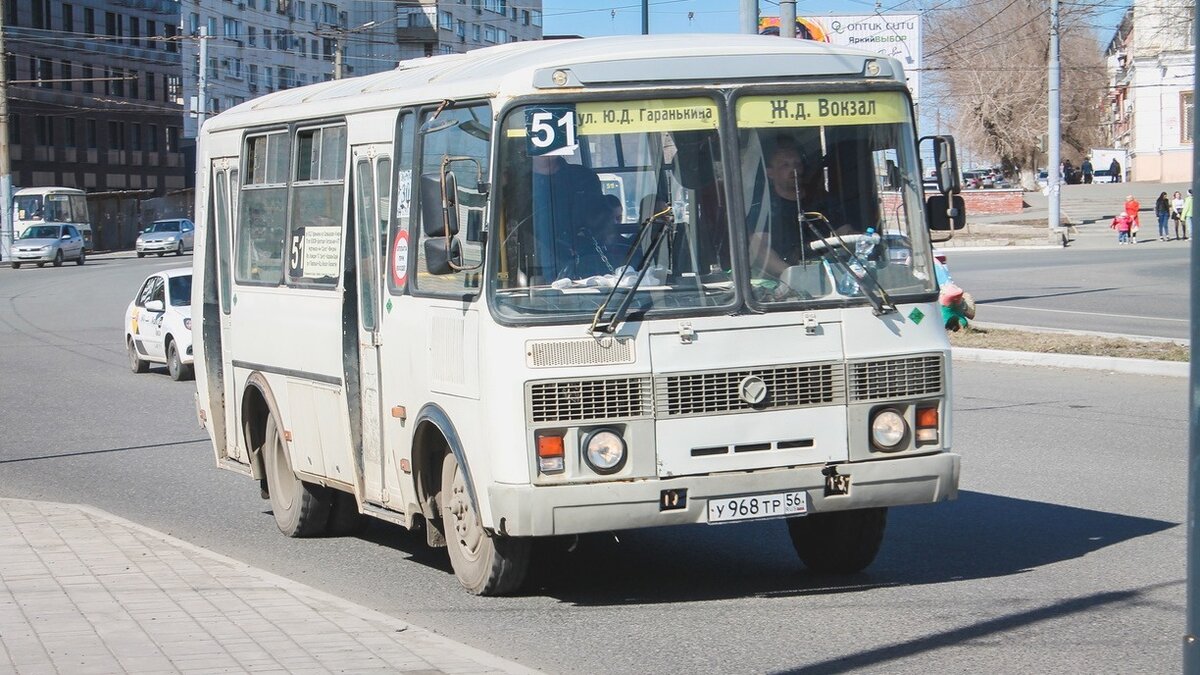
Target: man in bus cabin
{"x": 572, "y": 221}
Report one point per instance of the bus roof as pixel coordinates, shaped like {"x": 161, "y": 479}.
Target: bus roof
{"x": 48, "y": 190}
{"x": 527, "y": 67}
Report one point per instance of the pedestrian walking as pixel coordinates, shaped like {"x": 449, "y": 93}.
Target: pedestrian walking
{"x": 1162, "y": 211}
{"x": 1121, "y": 223}
{"x": 1185, "y": 215}
{"x": 1086, "y": 168}
{"x": 1114, "y": 170}
{"x": 1132, "y": 206}
{"x": 1177, "y": 210}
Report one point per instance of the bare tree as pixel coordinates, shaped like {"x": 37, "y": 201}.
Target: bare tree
{"x": 991, "y": 62}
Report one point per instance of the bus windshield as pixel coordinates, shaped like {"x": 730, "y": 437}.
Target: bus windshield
{"x": 28, "y": 207}
{"x": 820, "y": 172}
{"x": 595, "y": 193}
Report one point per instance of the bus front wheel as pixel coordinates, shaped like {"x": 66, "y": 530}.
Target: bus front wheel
{"x": 301, "y": 509}
{"x": 485, "y": 564}
{"x": 838, "y": 542}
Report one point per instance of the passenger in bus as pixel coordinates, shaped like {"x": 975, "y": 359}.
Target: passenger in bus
{"x": 778, "y": 238}
{"x": 569, "y": 211}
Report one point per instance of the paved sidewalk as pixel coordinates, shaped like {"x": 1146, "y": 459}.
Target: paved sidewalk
{"x": 83, "y": 591}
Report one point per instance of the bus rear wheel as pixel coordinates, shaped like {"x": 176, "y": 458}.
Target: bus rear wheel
{"x": 838, "y": 542}
{"x": 301, "y": 509}
{"x": 485, "y": 564}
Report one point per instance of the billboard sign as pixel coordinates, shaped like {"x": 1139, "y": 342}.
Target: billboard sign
{"x": 894, "y": 35}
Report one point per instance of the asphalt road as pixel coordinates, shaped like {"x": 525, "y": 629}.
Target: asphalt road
{"x": 1132, "y": 290}
{"x": 1064, "y": 553}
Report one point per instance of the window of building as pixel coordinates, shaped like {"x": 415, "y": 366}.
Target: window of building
{"x": 134, "y": 84}
{"x": 172, "y": 139}
{"x": 445, "y": 20}
{"x": 151, "y": 89}
{"x": 1187, "y": 118}
{"x": 89, "y": 19}
{"x": 116, "y": 135}
{"x": 88, "y": 77}
{"x": 460, "y": 29}
{"x": 135, "y": 136}
{"x": 194, "y": 23}
{"x": 69, "y": 138}
{"x": 172, "y": 45}
{"x": 45, "y": 73}
{"x": 89, "y": 134}
{"x": 135, "y": 31}
{"x": 41, "y": 14}
{"x": 174, "y": 89}
{"x": 475, "y": 32}
{"x": 152, "y": 35}
{"x": 112, "y": 24}
{"x": 489, "y": 33}
{"x": 232, "y": 28}
{"x": 537, "y": 17}
{"x": 501, "y": 35}
{"x": 252, "y": 36}
{"x": 43, "y": 129}
{"x": 68, "y": 18}
{"x": 152, "y": 137}
{"x": 67, "y": 73}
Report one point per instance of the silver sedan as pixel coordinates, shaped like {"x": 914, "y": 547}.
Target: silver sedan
{"x": 173, "y": 235}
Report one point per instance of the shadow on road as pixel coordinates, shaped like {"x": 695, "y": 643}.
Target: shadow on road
{"x": 1010, "y": 298}
{"x": 978, "y": 536}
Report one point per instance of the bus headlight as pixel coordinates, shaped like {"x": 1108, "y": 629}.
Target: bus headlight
{"x": 604, "y": 451}
{"x": 888, "y": 429}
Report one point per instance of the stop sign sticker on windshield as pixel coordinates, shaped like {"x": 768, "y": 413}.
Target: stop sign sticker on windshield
{"x": 400, "y": 258}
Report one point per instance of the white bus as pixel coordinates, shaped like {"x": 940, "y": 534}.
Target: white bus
{"x": 416, "y": 304}
{"x": 53, "y": 205}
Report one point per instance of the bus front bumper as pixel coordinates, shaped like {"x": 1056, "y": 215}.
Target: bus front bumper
{"x": 525, "y": 510}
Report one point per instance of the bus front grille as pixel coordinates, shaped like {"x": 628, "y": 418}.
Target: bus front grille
{"x": 727, "y": 391}
{"x": 900, "y": 377}
{"x": 610, "y": 398}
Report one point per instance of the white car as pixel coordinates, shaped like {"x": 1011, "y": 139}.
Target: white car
{"x": 171, "y": 235}
{"x": 158, "y": 323}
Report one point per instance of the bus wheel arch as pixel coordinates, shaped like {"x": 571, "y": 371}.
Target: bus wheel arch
{"x": 258, "y": 403}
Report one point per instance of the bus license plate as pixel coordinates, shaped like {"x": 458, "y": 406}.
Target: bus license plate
{"x": 753, "y": 507}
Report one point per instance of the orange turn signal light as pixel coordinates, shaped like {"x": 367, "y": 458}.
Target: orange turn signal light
{"x": 927, "y": 418}
{"x": 551, "y": 453}
{"x": 550, "y": 446}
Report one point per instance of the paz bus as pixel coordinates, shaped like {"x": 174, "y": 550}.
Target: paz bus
{"x": 41, "y": 205}
{"x": 407, "y": 314}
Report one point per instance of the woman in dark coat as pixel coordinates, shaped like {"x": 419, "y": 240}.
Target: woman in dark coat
{"x": 1162, "y": 209}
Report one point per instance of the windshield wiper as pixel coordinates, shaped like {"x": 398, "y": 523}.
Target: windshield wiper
{"x": 881, "y": 303}
{"x": 611, "y": 326}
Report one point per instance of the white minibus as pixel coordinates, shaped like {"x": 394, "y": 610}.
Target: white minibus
{"x": 52, "y": 205}
{"x": 418, "y": 305}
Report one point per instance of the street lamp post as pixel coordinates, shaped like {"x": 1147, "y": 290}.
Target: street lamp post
{"x": 339, "y": 52}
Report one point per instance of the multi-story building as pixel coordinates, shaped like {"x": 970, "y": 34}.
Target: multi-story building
{"x": 1151, "y": 61}
{"x": 260, "y": 46}
{"x": 94, "y": 94}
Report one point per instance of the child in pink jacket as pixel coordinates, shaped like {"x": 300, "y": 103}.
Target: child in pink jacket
{"x": 1121, "y": 223}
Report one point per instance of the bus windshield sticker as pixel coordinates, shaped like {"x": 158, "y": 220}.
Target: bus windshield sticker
{"x": 403, "y": 192}
{"x": 812, "y": 110}
{"x": 400, "y": 259}
{"x": 550, "y": 130}
{"x": 615, "y": 117}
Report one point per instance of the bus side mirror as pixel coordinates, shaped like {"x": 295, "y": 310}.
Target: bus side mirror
{"x": 443, "y": 255}
{"x": 439, "y": 204}
{"x": 945, "y": 162}
{"x": 945, "y": 213}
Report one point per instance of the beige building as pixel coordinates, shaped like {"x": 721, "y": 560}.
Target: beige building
{"x": 1151, "y": 60}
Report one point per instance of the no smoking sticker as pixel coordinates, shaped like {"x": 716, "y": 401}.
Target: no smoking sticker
{"x": 400, "y": 258}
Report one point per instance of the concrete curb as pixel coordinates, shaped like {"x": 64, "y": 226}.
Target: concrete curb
{"x": 1183, "y": 342}
{"x": 1108, "y": 363}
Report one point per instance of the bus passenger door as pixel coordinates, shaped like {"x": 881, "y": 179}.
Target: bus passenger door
{"x": 218, "y": 347}
{"x": 372, "y": 174}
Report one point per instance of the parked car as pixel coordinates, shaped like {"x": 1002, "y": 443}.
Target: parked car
{"x": 972, "y": 180}
{"x": 158, "y": 323}
{"x": 41, "y": 244}
{"x": 172, "y": 235}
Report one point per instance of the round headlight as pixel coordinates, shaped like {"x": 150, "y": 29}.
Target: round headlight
{"x": 604, "y": 451}
{"x": 888, "y": 429}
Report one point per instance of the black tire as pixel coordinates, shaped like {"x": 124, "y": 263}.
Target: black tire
{"x": 141, "y": 255}
{"x": 160, "y": 254}
{"x": 41, "y": 265}
{"x": 58, "y": 258}
{"x": 179, "y": 249}
{"x": 136, "y": 364}
{"x": 300, "y": 509}
{"x": 838, "y": 542}
{"x": 82, "y": 255}
{"x": 175, "y": 367}
{"x": 344, "y": 518}
{"x": 485, "y": 564}
{"x": 16, "y": 265}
